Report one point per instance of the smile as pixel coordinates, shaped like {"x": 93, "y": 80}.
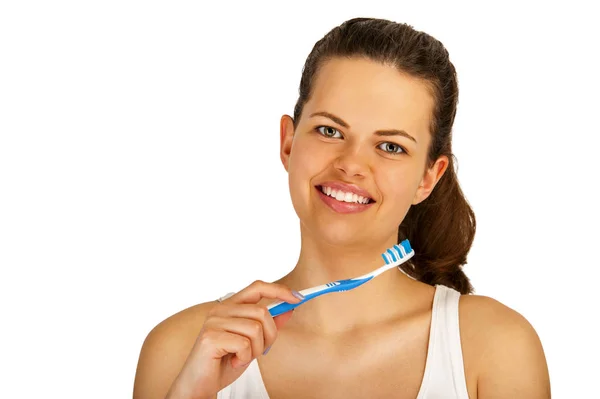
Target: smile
{"x": 342, "y": 201}
{"x": 343, "y": 196}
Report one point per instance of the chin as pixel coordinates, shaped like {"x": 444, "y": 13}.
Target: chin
{"x": 337, "y": 234}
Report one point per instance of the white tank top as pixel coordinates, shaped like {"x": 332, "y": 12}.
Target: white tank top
{"x": 444, "y": 376}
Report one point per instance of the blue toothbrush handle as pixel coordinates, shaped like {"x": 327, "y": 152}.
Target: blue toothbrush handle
{"x": 393, "y": 257}
{"x": 281, "y": 307}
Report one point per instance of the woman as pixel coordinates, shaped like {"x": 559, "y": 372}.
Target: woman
{"x": 374, "y": 118}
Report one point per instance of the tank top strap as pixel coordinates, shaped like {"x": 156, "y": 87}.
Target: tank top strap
{"x": 444, "y": 369}
{"x": 220, "y": 299}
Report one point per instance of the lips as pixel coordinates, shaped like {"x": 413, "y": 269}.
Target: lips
{"x": 341, "y": 206}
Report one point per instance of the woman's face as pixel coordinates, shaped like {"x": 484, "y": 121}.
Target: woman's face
{"x": 365, "y": 130}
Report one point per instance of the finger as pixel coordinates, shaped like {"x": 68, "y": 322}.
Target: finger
{"x": 259, "y": 289}
{"x": 248, "y": 328}
{"x": 247, "y": 311}
{"x": 282, "y": 319}
{"x": 220, "y": 343}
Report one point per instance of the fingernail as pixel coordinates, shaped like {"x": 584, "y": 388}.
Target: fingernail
{"x": 267, "y": 351}
{"x": 297, "y": 294}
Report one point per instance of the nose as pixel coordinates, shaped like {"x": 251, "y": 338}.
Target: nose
{"x": 352, "y": 162}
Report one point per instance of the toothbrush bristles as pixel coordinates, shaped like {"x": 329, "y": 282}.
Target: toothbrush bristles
{"x": 397, "y": 252}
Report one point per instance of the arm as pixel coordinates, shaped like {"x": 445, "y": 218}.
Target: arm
{"x": 165, "y": 350}
{"x": 512, "y": 362}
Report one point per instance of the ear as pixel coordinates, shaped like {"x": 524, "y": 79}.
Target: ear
{"x": 430, "y": 179}
{"x": 286, "y": 136}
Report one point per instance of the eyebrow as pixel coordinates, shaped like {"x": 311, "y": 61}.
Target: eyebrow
{"x": 385, "y": 132}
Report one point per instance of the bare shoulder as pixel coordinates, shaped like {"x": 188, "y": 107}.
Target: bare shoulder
{"x": 165, "y": 350}
{"x": 503, "y": 349}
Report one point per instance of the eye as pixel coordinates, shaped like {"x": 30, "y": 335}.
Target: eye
{"x": 392, "y": 148}
{"x": 329, "y": 131}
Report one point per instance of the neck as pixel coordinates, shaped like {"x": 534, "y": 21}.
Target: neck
{"x": 376, "y": 301}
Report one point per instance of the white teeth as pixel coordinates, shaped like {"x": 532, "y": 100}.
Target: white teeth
{"x": 343, "y": 196}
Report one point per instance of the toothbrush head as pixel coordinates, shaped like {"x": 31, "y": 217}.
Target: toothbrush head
{"x": 397, "y": 252}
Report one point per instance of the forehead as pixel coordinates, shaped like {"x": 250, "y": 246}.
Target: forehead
{"x": 369, "y": 96}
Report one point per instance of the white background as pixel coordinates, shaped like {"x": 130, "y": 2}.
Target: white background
{"x": 140, "y": 174}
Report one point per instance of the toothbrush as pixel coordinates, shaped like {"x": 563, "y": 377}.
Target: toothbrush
{"x": 393, "y": 257}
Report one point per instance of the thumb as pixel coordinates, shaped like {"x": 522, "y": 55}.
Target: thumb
{"x": 282, "y": 319}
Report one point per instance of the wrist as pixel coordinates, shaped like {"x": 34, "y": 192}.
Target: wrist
{"x": 177, "y": 392}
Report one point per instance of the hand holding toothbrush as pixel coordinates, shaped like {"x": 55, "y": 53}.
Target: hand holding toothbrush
{"x": 235, "y": 332}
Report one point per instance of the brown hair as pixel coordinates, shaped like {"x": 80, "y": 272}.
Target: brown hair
{"x": 442, "y": 227}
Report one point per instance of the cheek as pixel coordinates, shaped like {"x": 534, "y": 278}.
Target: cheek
{"x": 305, "y": 164}
{"x": 399, "y": 187}
{"x": 403, "y": 194}
{"x": 307, "y": 157}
